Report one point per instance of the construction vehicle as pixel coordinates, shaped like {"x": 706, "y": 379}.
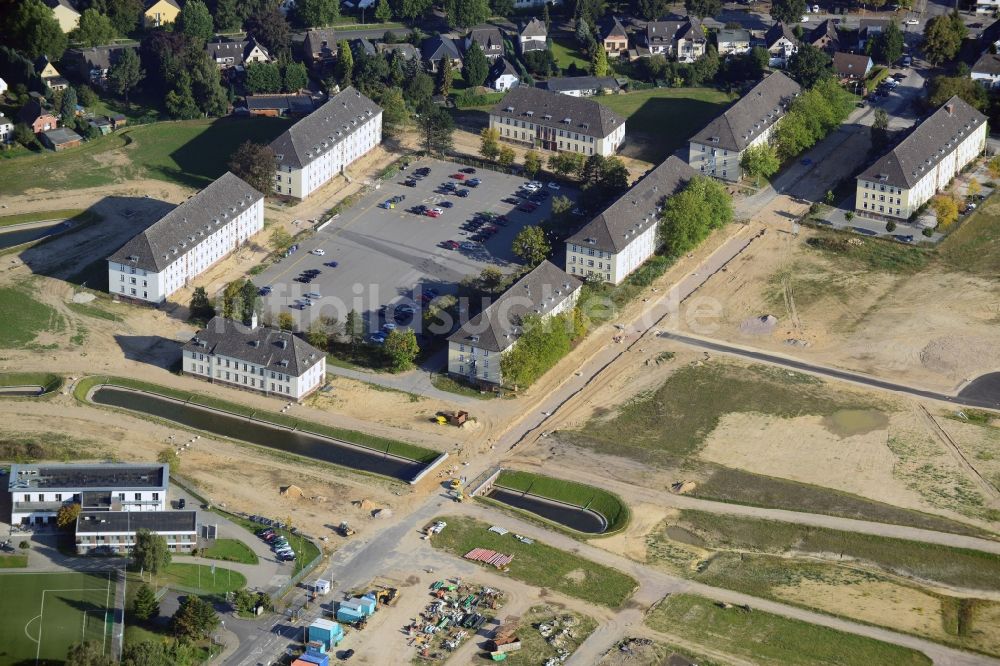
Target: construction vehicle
{"x": 455, "y": 484}
{"x": 454, "y": 418}
{"x": 345, "y": 530}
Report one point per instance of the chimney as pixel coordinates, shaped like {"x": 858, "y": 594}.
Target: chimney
{"x": 253, "y": 321}
{"x": 950, "y": 108}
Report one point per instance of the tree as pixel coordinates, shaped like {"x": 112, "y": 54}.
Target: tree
{"x": 446, "y": 76}
{"x": 973, "y": 188}
{"x": 30, "y": 27}
{"x": 788, "y": 11}
{"x": 94, "y": 29}
{"x": 942, "y": 88}
{"x": 145, "y": 606}
{"x": 584, "y": 37}
{"x": 880, "y": 129}
{"x": 532, "y": 164}
{"x": 269, "y": 27}
{"x": 489, "y": 143}
{"x": 249, "y": 301}
{"x": 124, "y": 14}
{"x": 316, "y": 13}
{"x": 195, "y": 619}
{"x": 809, "y": 65}
{"x": 383, "y": 12}
{"x": 401, "y": 348}
{"x": 354, "y": 328}
{"x": 506, "y": 156}
{"x": 90, "y": 653}
{"x": 540, "y": 346}
{"x": 195, "y": 21}
{"x": 943, "y": 37}
{"x": 546, "y": 18}
{"x": 280, "y": 240}
{"x": 599, "y": 63}
{"x": 67, "y": 107}
{"x": 760, "y": 160}
{"x": 169, "y": 457}
{"x": 318, "y": 336}
{"x": 146, "y": 653}
{"x": 24, "y": 136}
{"x": 294, "y": 76}
{"x": 227, "y": 17}
{"x": 945, "y": 209}
{"x": 531, "y": 245}
{"x": 693, "y": 213}
{"x": 125, "y": 74}
{"x": 888, "y": 45}
{"x": 232, "y": 306}
{"x": 707, "y": 8}
{"x": 67, "y": 515}
{"x": 475, "y": 68}
{"x": 86, "y": 95}
{"x": 394, "y": 112}
{"x": 263, "y": 77}
{"x": 704, "y": 68}
{"x": 419, "y": 88}
{"x": 286, "y": 322}
{"x": 653, "y": 10}
{"x": 466, "y": 13}
{"x": 890, "y": 226}
{"x": 345, "y": 63}
{"x": 410, "y": 9}
{"x": 255, "y": 163}
{"x": 206, "y": 86}
{"x": 436, "y": 126}
{"x": 150, "y": 552}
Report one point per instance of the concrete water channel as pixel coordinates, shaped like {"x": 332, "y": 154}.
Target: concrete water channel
{"x": 270, "y": 435}
{"x": 573, "y": 517}
{"x": 15, "y": 236}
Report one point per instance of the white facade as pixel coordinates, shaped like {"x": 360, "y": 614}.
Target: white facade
{"x": 6, "y": 130}
{"x": 587, "y": 262}
{"x": 781, "y": 51}
{"x": 986, "y": 79}
{"x": 154, "y": 287}
{"x": 721, "y": 163}
{"x": 3, "y": 86}
{"x": 547, "y": 138}
{"x": 505, "y": 82}
{"x": 532, "y": 43}
{"x": 987, "y": 6}
{"x": 228, "y": 370}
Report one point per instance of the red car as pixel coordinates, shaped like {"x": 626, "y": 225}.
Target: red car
{"x": 432, "y": 213}
{"x": 458, "y": 176}
{"x": 451, "y": 245}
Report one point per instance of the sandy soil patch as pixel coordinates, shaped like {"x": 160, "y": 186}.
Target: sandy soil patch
{"x": 632, "y": 542}
{"x": 980, "y": 445}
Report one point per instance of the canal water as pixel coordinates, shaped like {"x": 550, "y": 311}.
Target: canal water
{"x": 14, "y": 238}
{"x": 255, "y": 432}
{"x": 573, "y": 517}
{"x": 21, "y": 391}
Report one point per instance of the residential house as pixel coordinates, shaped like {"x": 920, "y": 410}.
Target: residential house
{"x": 614, "y": 38}
{"x": 405, "y": 50}
{"x": 581, "y": 86}
{"x": 781, "y": 44}
{"x": 60, "y": 138}
{"x": 436, "y": 48}
{"x": 3, "y": 87}
{"x": 361, "y": 47}
{"x": 319, "y": 46}
{"x": 868, "y": 29}
{"x": 186, "y": 241}
{"x": 683, "y": 39}
{"x": 115, "y": 531}
{"x": 489, "y": 38}
{"x": 623, "y": 236}
{"x": 718, "y": 148}
{"x": 38, "y": 118}
{"x": 550, "y": 121}
{"x": 323, "y": 144}
{"x": 236, "y": 54}
{"x": 49, "y": 74}
{"x": 922, "y": 164}
{"x": 851, "y": 66}
{"x": 255, "y": 358}
{"x": 6, "y": 129}
{"x": 160, "y": 12}
{"x": 824, "y": 37}
{"x": 65, "y": 14}
{"x": 475, "y": 350}
{"x": 990, "y": 7}
{"x": 38, "y": 491}
{"x": 733, "y": 41}
{"x": 533, "y": 36}
{"x": 93, "y": 63}
{"x": 503, "y": 76}
{"x": 986, "y": 71}
{"x": 276, "y": 106}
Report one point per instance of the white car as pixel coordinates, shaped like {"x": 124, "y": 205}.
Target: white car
{"x": 912, "y": 22}
{"x": 553, "y": 186}
{"x": 319, "y": 252}
{"x": 312, "y": 294}
{"x": 805, "y": 19}
{"x": 437, "y": 210}
{"x": 469, "y": 245}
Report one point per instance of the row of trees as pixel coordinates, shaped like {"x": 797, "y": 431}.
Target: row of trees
{"x": 276, "y": 77}
{"x": 813, "y": 115}
{"x": 693, "y": 213}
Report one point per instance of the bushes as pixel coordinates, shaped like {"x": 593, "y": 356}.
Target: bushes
{"x": 543, "y": 344}
{"x": 814, "y": 114}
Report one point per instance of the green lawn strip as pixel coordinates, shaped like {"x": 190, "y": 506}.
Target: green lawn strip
{"x": 13, "y": 561}
{"x": 771, "y": 639}
{"x": 974, "y": 247}
{"x": 195, "y": 578}
{"x": 230, "y": 550}
{"x": 443, "y": 382}
{"x": 91, "y": 310}
{"x": 540, "y": 565}
{"x": 609, "y": 505}
{"x": 566, "y": 53}
{"x": 871, "y": 253}
{"x": 381, "y": 444}
{"x": 24, "y": 318}
{"x": 46, "y": 380}
{"x": 40, "y": 216}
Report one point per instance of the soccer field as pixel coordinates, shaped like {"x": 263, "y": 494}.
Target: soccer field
{"x": 44, "y": 613}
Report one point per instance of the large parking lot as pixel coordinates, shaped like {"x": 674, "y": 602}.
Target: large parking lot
{"x": 392, "y": 256}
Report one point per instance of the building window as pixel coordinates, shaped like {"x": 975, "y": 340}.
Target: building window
{"x": 138, "y": 496}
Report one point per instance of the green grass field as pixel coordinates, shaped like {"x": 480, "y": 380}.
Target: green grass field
{"x": 24, "y": 318}
{"x": 975, "y": 246}
{"x": 771, "y": 639}
{"x": 230, "y": 550}
{"x": 662, "y": 120}
{"x": 45, "y": 613}
{"x": 566, "y": 53}
{"x": 607, "y": 504}
{"x": 195, "y": 578}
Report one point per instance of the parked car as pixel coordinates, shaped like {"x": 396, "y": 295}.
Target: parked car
{"x": 264, "y": 291}
{"x": 445, "y": 204}
{"x": 451, "y": 245}
{"x": 553, "y": 185}
{"x": 388, "y": 327}
{"x": 433, "y": 212}
{"x": 312, "y": 294}
{"x": 463, "y": 193}
{"x": 457, "y": 176}
{"x": 473, "y": 182}
{"x": 410, "y": 182}
{"x": 331, "y": 264}
{"x": 527, "y": 207}
{"x": 319, "y": 252}
{"x": 468, "y": 170}
{"x": 181, "y": 503}
{"x": 377, "y": 338}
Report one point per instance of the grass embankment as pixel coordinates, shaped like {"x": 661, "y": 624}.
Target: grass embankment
{"x": 26, "y": 447}
{"x": 540, "y": 565}
{"x": 24, "y": 318}
{"x": 195, "y": 578}
{"x": 443, "y": 382}
{"x": 974, "y": 247}
{"x": 609, "y": 505}
{"x": 230, "y": 550}
{"x": 771, "y": 639}
{"x": 48, "y": 381}
{"x": 872, "y": 253}
{"x": 40, "y": 216}
{"x": 374, "y": 442}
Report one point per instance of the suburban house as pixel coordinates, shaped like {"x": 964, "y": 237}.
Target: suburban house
{"x": 38, "y": 491}
{"x": 276, "y": 106}
{"x": 361, "y": 47}
{"x": 6, "y": 129}
{"x": 781, "y": 44}
{"x": 475, "y": 349}
{"x": 717, "y": 149}
{"x": 236, "y": 54}
{"x": 489, "y": 38}
{"x": 851, "y": 66}
{"x": 436, "y": 48}
{"x": 550, "y": 121}
{"x": 93, "y": 63}
{"x": 503, "y": 76}
{"x": 904, "y": 179}
{"x": 530, "y": 4}
{"x": 407, "y": 51}
{"x": 986, "y": 71}
{"x": 160, "y": 12}
{"x": 733, "y": 41}
{"x": 580, "y": 86}
{"x": 115, "y": 531}
{"x": 50, "y": 75}
{"x": 614, "y": 38}
{"x": 320, "y": 146}
{"x": 60, "y": 138}
{"x": 623, "y": 236}
{"x": 683, "y": 39}
{"x": 65, "y": 13}
{"x": 320, "y": 45}
{"x": 868, "y": 28}
{"x": 37, "y": 118}
{"x": 256, "y": 358}
{"x": 186, "y": 241}
{"x": 824, "y": 37}
{"x": 533, "y": 36}
{"x": 987, "y": 6}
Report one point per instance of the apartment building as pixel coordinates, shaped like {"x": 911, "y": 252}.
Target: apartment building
{"x": 255, "y": 358}
{"x": 475, "y": 350}
{"x": 623, "y": 236}
{"x": 717, "y": 149}
{"x": 39, "y": 491}
{"x": 115, "y": 531}
{"x": 551, "y": 121}
{"x": 320, "y": 146}
{"x": 899, "y": 183}
{"x": 733, "y": 41}
{"x": 683, "y": 39}
{"x": 186, "y": 241}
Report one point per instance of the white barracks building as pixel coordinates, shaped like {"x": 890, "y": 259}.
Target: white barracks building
{"x": 186, "y": 241}
{"x": 324, "y": 143}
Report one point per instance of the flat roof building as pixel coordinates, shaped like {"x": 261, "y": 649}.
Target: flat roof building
{"x": 116, "y": 530}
